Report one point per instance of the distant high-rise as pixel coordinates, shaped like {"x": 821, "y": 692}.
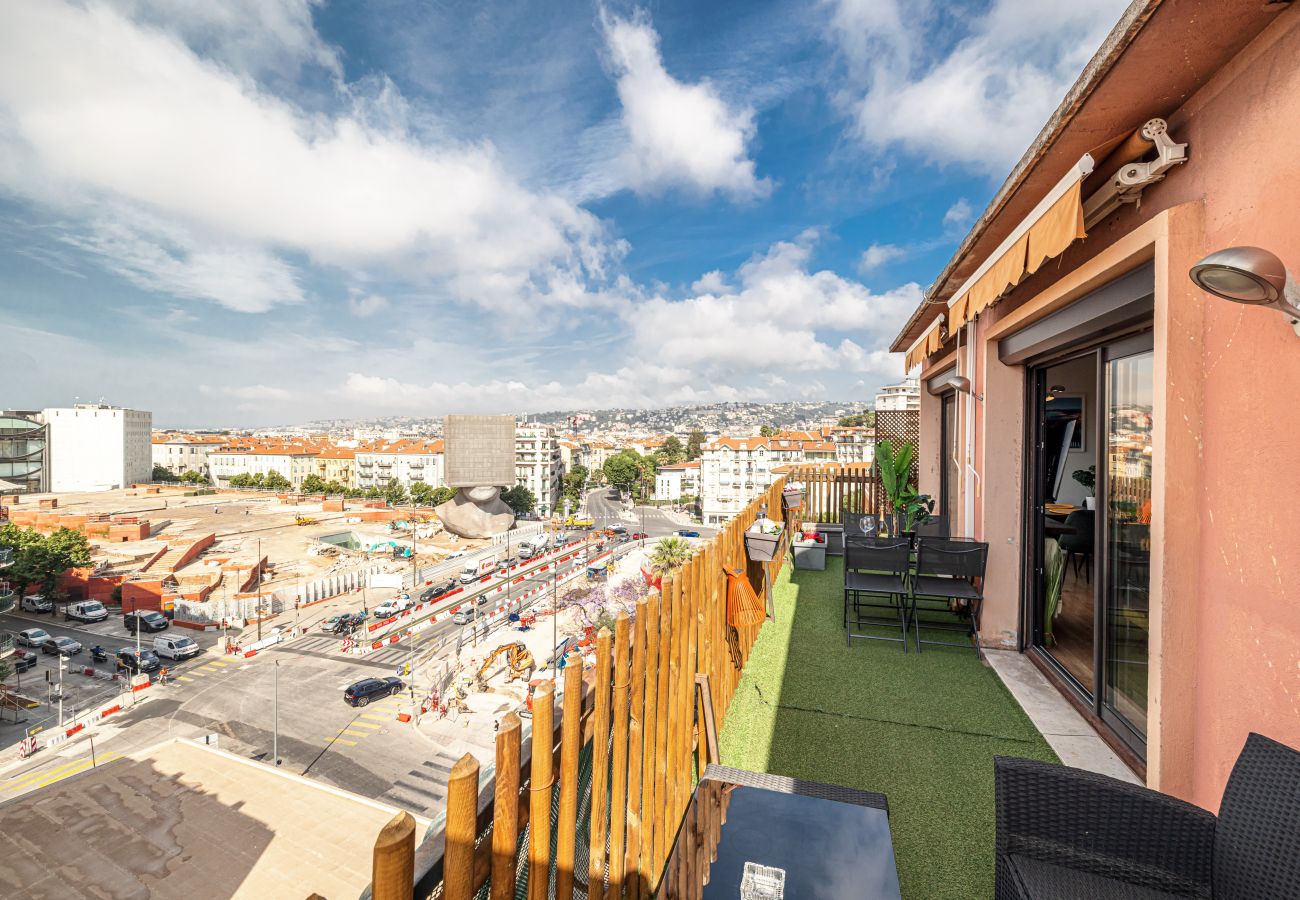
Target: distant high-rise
{"x": 904, "y": 395}
{"x": 96, "y": 447}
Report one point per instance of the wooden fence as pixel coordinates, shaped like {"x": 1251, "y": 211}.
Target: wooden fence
{"x": 615, "y": 774}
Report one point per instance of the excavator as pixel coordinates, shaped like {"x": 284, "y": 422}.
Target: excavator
{"x": 518, "y": 658}
{"x": 304, "y": 520}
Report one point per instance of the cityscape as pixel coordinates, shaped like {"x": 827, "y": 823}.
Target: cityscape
{"x": 614, "y": 450}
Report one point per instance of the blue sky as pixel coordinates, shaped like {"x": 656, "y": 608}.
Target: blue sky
{"x": 266, "y": 211}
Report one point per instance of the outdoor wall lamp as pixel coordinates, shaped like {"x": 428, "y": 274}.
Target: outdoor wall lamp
{"x": 1250, "y": 275}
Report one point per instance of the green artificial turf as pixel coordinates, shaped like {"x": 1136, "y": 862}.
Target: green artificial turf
{"x": 920, "y": 728}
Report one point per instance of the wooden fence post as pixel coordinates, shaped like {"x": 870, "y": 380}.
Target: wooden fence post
{"x": 635, "y": 747}
{"x": 649, "y": 737}
{"x": 392, "y": 871}
{"x": 618, "y": 787}
{"x": 540, "y": 781}
{"x": 505, "y": 809}
{"x": 462, "y": 827}
{"x": 570, "y": 746}
{"x": 600, "y": 768}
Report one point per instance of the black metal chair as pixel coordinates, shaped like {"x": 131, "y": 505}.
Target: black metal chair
{"x": 858, "y": 524}
{"x": 875, "y": 587}
{"x": 1065, "y": 833}
{"x": 951, "y": 571}
{"x": 1078, "y": 543}
{"x": 936, "y": 527}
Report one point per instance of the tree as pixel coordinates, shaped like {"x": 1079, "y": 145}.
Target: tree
{"x": 41, "y": 559}
{"x": 695, "y": 445}
{"x": 672, "y": 451}
{"x": 442, "y": 495}
{"x": 160, "y": 473}
{"x": 574, "y": 482}
{"x": 374, "y": 493}
{"x": 623, "y": 468}
{"x": 193, "y": 477}
{"x": 866, "y": 417}
{"x": 333, "y": 487}
{"x": 314, "y": 484}
{"x": 766, "y": 431}
{"x": 520, "y": 499}
{"x": 395, "y": 493}
{"x": 421, "y": 492}
{"x": 274, "y": 481}
{"x": 669, "y": 555}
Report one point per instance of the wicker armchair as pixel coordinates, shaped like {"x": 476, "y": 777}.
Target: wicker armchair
{"x": 1065, "y": 833}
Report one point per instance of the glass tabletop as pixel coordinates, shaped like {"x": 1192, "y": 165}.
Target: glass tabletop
{"x": 758, "y": 844}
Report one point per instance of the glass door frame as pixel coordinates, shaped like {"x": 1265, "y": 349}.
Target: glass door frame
{"x": 1105, "y": 349}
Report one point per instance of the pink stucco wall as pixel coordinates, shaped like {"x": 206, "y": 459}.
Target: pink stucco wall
{"x": 1226, "y": 635}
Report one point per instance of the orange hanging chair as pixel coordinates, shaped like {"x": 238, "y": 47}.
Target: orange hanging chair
{"x": 743, "y": 606}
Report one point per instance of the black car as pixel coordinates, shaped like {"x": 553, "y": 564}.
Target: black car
{"x": 349, "y": 622}
{"x": 368, "y": 689}
{"x": 147, "y": 661}
{"x": 65, "y": 646}
{"x": 149, "y": 621}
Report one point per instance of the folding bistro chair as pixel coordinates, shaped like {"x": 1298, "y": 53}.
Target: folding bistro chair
{"x": 936, "y": 527}
{"x": 952, "y": 571}
{"x": 875, "y": 587}
{"x": 858, "y": 524}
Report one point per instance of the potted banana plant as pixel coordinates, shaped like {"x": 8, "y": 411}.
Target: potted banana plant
{"x": 906, "y": 508}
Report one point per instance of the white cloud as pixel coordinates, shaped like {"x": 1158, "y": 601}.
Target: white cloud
{"x": 878, "y": 255}
{"x": 679, "y": 135}
{"x": 143, "y": 129}
{"x": 710, "y": 283}
{"x": 365, "y": 306}
{"x": 978, "y": 103}
{"x": 959, "y": 215}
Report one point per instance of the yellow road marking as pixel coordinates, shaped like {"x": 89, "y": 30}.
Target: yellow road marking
{"x": 339, "y": 740}
{"x": 32, "y": 776}
{"x": 184, "y": 678}
{"x": 364, "y": 725}
{"x": 354, "y": 733}
{"x": 373, "y": 716}
{"x": 67, "y": 771}
{"x": 218, "y": 662}
{"x": 212, "y": 669}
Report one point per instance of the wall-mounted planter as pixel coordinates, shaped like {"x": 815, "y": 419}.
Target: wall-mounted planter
{"x": 762, "y": 547}
{"x": 792, "y": 498}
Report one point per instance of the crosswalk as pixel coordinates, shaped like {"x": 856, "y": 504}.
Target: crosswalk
{"x": 392, "y": 656}
{"x": 371, "y": 720}
{"x": 40, "y": 778}
{"x": 425, "y": 786}
{"x": 198, "y": 673}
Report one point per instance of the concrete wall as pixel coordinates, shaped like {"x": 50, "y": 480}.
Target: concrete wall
{"x": 1225, "y": 621}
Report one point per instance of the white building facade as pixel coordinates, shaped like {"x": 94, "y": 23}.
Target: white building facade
{"x": 734, "y": 471}
{"x": 409, "y": 462}
{"x": 95, "y": 447}
{"x": 673, "y": 482}
{"x": 539, "y": 466}
{"x": 294, "y": 464}
{"x": 904, "y": 395}
{"x": 181, "y": 453}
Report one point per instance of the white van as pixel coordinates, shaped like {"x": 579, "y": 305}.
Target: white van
{"x": 393, "y": 607}
{"x": 477, "y": 569}
{"x": 175, "y": 647}
{"x": 87, "y": 611}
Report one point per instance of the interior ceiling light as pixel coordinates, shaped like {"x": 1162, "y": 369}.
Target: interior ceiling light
{"x": 1250, "y": 275}
{"x": 1054, "y": 390}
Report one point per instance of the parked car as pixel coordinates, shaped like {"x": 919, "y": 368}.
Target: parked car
{"x": 506, "y": 563}
{"x": 330, "y": 623}
{"x": 24, "y": 662}
{"x": 619, "y": 529}
{"x": 32, "y": 637}
{"x": 175, "y": 646}
{"x": 639, "y": 536}
{"x": 348, "y": 622}
{"x": 86, "y": 611}
{"x": 35, "y": 603}
{"x": 146, "y": 661}
{"x": 393, "y": 607}
{"x": 456, "y": 554}
{"x": 624, "y": 537}
{"x": 687, "y": 532}
{"x": 462, "y": 617}
{"x": 368, "y": 689}
{"x": 64, "y": 646}
{"x": 149, "y": 620}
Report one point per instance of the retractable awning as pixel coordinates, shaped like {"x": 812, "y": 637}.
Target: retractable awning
{"x": 927, "y": 344}
{"x": 1054, "y": 224}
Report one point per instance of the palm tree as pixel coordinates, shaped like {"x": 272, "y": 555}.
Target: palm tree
{"x": 669, "y": 555}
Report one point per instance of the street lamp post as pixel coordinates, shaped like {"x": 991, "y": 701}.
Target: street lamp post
{"x": 259, "y": 589}
{"x": 275, "y": 705}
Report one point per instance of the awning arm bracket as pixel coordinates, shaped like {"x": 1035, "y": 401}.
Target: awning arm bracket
{"x": 1130, "y": 179}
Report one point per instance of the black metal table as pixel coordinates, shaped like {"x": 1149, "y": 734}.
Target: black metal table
{"x": 766, "y": 837}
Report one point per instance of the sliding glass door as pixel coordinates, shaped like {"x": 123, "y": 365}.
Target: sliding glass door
{"x": 1088, "y": 556}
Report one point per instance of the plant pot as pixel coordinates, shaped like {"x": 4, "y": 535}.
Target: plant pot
{"x": 792, "y": 498}
{"x": 809, "y": 555}
{"x": 1089, "y": 502}
{"x": 762, "y": 547}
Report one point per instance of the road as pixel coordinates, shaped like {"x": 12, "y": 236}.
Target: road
{"x": 604, "y": 506}
{"x": 363, "y": 750}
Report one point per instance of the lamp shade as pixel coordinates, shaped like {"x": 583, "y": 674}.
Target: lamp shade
{"x": 743, "y": 606}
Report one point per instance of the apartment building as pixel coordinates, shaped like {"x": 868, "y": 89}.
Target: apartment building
{"x": 595, "y": 452}
{"x": 97, "y": 447}
{"x": 853, "y": 444}
{"x": 337, "y": 464}
{"x": 251, "y": 457}
{"x": 407, "y": 461}
{"x": 673, "y": 482}
{"x": 181, "y": 453}
{"x": 538, "y": 466}
{"x": 904, "y": 395}
{"x": 734, "y": 470}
